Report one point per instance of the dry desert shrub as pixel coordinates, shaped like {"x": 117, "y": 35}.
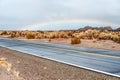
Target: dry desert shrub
{"x": 17, "y": 34}
{"x": 30, "y": 36}
{"x": 88, "y": 34}
{"x": 3, "y": 33}
{"x": 75, "y": 40}
{"x": 94, "y": 40}
{"x": 49, "y": 40}
{"x": 13, "y": 35}
{"x": 63, "y": 35}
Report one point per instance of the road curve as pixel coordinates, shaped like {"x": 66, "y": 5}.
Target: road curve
{"x": 104, "y": 61}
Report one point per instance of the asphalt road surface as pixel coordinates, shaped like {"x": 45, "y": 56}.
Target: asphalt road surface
{"x": 99, "y": 60}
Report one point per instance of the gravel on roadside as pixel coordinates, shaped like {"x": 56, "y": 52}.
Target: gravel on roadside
{"x": 16, "y": 65}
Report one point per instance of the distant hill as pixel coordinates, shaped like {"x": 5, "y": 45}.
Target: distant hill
{"x": 118, "y": 29}
{"x": 97, "y": 28}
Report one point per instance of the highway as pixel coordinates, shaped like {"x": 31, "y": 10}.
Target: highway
{"x": 99, "y": 60}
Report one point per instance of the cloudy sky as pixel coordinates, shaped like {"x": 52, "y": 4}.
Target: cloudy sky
{"x": 16, "y": 14}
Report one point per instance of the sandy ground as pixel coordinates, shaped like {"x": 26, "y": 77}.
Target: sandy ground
{"x": 20, "y": 66}
{"x": 101, "y": 44}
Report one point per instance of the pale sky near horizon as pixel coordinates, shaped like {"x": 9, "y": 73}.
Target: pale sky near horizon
{"x": 15, "y": 14}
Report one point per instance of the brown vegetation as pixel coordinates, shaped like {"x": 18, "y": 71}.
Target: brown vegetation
{"x": 75, "y": 40}
{"x": 30, "y": 36}
{"x": 92, "y": 34}
{"x": 3, "y": 33}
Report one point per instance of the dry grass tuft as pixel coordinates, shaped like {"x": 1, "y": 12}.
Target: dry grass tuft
{"x": 5, "y": 64}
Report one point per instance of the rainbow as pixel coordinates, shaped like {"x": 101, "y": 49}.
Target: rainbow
{"x": 95, "y": 21}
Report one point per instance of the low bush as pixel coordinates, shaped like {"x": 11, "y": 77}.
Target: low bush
{"x": 94, "y": 40}
{"x": 12, "y": 36}
{"x": 3, "y": 33}
{"x": 49, "y": 40}
{"x": 30, "y": 36}
{"x": 75, "y": 40}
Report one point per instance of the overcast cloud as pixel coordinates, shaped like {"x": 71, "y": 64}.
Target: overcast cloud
{"x": 17, "y": 13}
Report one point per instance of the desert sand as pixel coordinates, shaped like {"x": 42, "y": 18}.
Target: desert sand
{"x": 99, "y": 44}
